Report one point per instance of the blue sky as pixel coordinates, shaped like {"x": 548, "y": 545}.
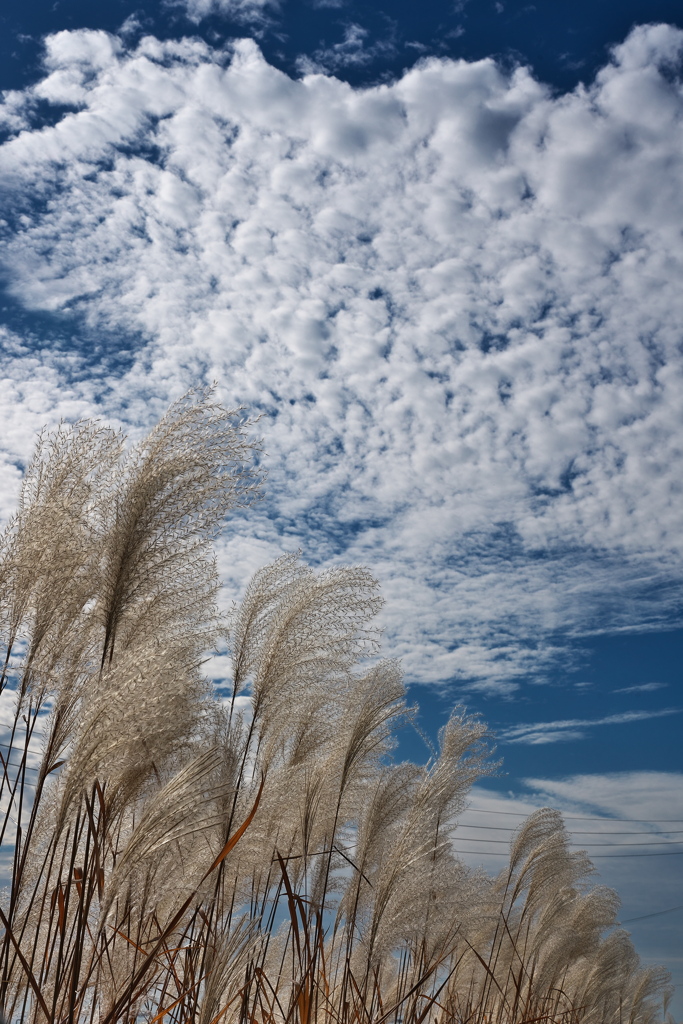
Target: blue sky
{"x": 437, "y": 248}
{"x": 564, "y": 41}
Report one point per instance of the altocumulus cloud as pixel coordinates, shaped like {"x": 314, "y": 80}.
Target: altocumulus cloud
{"x": 252, "y": 12}
{"x": 454, "y": 299}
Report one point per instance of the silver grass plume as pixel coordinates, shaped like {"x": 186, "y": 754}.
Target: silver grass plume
{"x": 134, "y": 717}
{"x": 49, "y": 551}
{"x": 295, "y": 627}
{"x": 171, "y": 496}
{"x": 184, "y": 807}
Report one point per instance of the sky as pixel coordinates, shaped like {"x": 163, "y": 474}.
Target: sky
{"x": 437, "y": 249}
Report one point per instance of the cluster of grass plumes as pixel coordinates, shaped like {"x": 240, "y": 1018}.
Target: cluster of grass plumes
{"x": 173, "y": 856}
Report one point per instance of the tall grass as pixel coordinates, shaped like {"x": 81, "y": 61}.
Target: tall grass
{"x": 174, "y": 856}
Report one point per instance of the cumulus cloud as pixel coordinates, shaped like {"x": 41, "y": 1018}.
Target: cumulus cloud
{"x": 454, "y": 300}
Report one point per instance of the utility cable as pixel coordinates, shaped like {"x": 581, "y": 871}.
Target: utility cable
{"x": 505, "y": 842}
{"x": 657, "y": 913}
{"x": 582, "y": 817}
{"x": 592, "y": 856}
{"x": 13, "y": 764}
{"x": 509, "y": 828}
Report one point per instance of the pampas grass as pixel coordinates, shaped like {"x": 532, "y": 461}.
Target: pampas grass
{"x": 171, "y": 856}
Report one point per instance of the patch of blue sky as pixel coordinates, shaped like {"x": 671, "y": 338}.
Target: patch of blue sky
{"x": 82, "y": 351}
{"x": 323, "y": 534}
{"x": 611, "y": 703}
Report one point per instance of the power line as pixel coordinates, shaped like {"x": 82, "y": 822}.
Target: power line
{"x": 592, "y": 856}
{"x": 583, "y": 817}
{"x": 657, "y": 913}
{"x": 501, "y": 828}
{"x": 574, "y": 832}
{"x": 617, "y": 856}
{"x": 14, "y": 764}
{"x": 13, "y": 746}
{"x": 504, "y": 842}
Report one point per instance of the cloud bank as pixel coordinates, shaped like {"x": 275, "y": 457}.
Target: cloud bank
{"x": 454, "y": 300}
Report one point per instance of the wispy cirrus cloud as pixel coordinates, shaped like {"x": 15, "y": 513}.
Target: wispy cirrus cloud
{"x": 646, "y": 796}
{"x": 535, "y": 733}
{"x": 641, "y": 688}
{"x": 454, "y": 300}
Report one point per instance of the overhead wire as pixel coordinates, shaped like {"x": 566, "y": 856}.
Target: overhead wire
{"x": 505, "y": 842}
{"x": 657, "y": 913}
{"x": 593, "y": 856}
{"x": 13, "y": 764}
{"x": 578, "y": 817}
{"x": 632, "y": 832}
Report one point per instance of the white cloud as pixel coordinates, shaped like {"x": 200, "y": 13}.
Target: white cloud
{"x": 352, "y": 51}
{"x": 635, "y": 796}
{"x": 572, "y": 728}
{"x": 455, "y": 299}
{"x": 251, "y": 12}
{"x": 642, "y": 688}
